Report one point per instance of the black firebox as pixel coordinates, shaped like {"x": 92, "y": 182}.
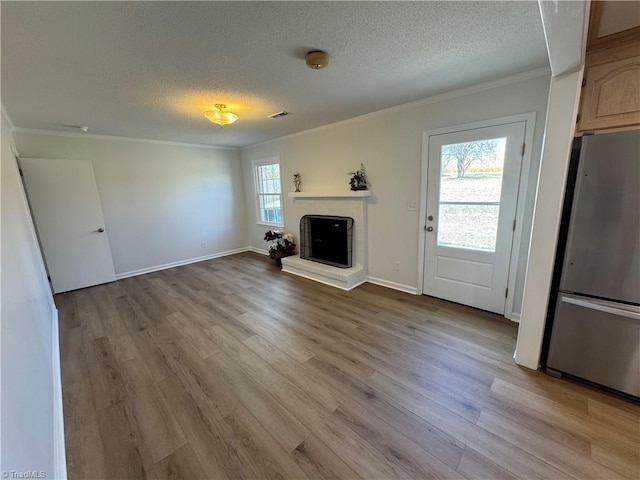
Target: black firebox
{"x": 327, "y": 239}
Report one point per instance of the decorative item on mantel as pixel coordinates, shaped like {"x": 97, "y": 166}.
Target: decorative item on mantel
{"x": 358, "y": 179}
{"x": 281, "y": 245}
{"x": 296, "y": 181}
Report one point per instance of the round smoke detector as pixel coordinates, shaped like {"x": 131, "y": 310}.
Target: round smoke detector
{"x": 316, "y": 59}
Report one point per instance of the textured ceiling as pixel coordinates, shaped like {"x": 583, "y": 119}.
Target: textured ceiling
{"x": 149, "y": 69}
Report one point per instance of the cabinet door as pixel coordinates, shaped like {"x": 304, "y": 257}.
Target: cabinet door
{"x": 611, "y": 96}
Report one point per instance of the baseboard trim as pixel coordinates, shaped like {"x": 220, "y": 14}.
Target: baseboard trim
{"x": 142, "y": 271}
{"x": 515, "y": 317}
{"x": 261, "y": 251}
{"x": 59, "y": 453}
{"x": 395, "y": 286}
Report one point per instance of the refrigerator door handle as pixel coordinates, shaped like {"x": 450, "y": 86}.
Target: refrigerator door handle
{"x": 628, "y": 311}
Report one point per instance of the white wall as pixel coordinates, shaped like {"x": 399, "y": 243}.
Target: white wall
{"x": 160, "y": 200}
{"x": 389, "y": 144}
{"x": 27, "y": 321}
{"x": 563, "y": 105}
{"x": 565, "y": 27}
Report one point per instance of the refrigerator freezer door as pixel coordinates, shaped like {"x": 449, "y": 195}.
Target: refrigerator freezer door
{"x": 603, "y": 247}
{"x": 598, "y": 341}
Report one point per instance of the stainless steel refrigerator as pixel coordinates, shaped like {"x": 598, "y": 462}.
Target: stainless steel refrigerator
{"x": 594, "y": 318}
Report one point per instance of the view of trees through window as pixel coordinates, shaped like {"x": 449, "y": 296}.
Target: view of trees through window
{"x": 269, "y": 193}
{"x": 470, "y": 190}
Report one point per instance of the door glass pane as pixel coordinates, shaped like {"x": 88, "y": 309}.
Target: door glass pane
{"x": 470, "y": 188}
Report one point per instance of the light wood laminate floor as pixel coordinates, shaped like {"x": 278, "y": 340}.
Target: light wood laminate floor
{"x": 231, "y": 369}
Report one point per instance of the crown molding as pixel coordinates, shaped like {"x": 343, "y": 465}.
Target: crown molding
{"x": 12, "y": 127}
{"x": 5, "y": 114}
{"x": 461, "y": 92}
{"x": 96, "y": 136}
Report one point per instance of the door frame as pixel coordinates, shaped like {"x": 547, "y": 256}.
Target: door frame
{"x": 530, "y": 121}
{"x": 16, "y": 155}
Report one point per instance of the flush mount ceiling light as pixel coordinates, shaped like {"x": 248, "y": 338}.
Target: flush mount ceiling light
{"x": 219, "y": 116}
{"x": 316, "y": 59}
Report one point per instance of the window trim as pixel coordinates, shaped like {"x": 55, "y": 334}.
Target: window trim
{"x": 254, "y": 165}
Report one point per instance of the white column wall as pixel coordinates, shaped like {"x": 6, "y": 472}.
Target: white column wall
{"x": 564, "y": 95}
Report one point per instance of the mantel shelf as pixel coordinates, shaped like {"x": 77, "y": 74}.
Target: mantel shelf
{"x": 350, "y": 194}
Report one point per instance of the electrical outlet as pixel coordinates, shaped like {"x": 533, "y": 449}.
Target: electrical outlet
{"x": 412, "y": 206}
{"x": 396, "y": 266}
{"x": 203, "y": 244}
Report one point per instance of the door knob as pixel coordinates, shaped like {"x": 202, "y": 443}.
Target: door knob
{"x": 429, "y": 229}
{"x": 430, "y": 218}
{"x": 100, "y": 230}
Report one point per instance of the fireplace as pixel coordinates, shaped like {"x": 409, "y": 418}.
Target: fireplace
{"x": 323, "y": 211}
{"x": 327, "y": 239}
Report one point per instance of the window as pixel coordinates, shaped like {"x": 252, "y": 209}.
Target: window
{"x": 470, "y": 193}
{"x": 269, "y": 192}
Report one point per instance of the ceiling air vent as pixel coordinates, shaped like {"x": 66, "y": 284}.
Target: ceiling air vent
{"x": 82, "y": 128}
{"x": 279, "y": 114}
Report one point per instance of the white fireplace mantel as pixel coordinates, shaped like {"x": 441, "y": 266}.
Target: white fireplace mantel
{"x": 350, "y": 194}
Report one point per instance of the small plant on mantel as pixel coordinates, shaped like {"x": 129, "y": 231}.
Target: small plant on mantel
{"x": 281, "y": 245}
{"x": 358, "y": 180}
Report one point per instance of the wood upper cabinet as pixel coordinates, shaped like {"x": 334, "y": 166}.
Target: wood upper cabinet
{"x": 611, "y": 88}
{"x": 611, "y": 93}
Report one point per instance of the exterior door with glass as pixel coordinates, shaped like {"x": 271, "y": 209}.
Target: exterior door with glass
{"x": 472, "y": 192}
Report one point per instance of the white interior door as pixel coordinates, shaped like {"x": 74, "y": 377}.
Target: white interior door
{"x": 63, "y": 196}
{"x": 472, "y": 191}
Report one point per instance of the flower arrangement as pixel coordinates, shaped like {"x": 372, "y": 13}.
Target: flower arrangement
{"x": 282, "y": 244}
{"x": 358, "y": 179}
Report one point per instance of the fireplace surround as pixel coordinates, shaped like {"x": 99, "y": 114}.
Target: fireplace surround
{"x": 346, "y": 204}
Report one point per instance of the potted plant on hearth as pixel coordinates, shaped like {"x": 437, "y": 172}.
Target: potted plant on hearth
{"x": 281, "y": 245}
